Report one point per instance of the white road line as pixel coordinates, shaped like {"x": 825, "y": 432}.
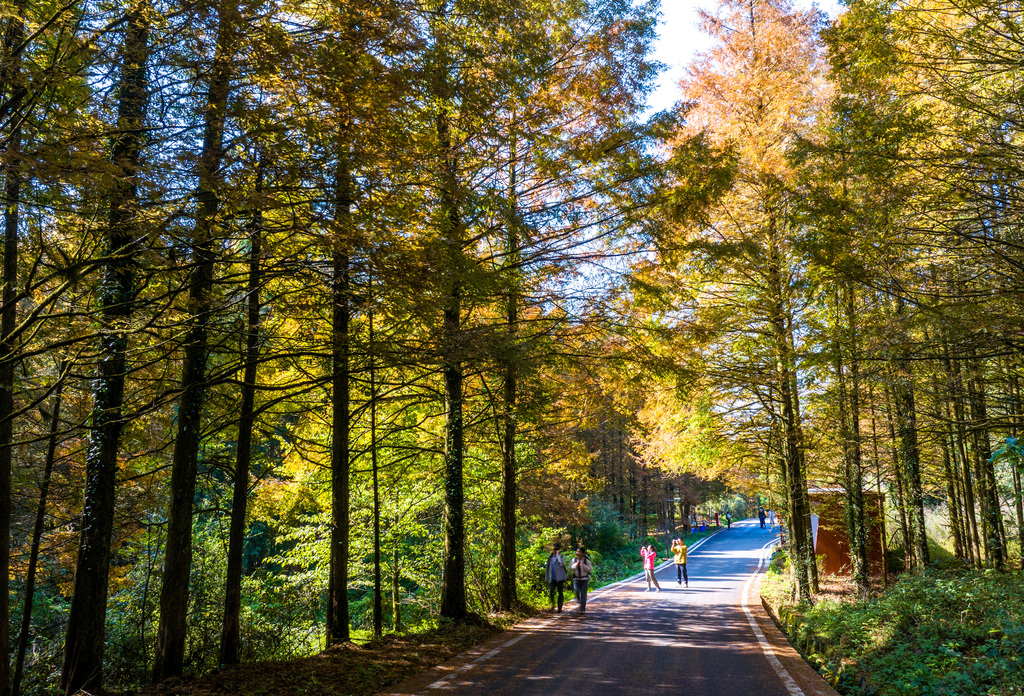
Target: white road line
{"x": 486, "y": 656}
{"x": 791, "y": 685}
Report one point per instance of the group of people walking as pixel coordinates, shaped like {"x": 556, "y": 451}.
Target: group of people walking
{"x": 557, "y": 573}
{"x": 580, "y": 568}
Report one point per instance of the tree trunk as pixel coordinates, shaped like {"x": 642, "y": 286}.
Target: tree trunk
{"x": 799, "y": 510}
{"x": 906, "y": 419}
{"x": 453, "y": 580}
{"x": 797, "y": 425}
{"x": 37, "y": 533}
{"x": 169, "y": 655}
{"x": 952, "y": 502}
{"x": 396, "y": 591}
{"x": 11, "y": 80}
{"x": 453, "y": 583}
{"x": 948, "y": 470}
{"x": 338, "y": 630}
{"x": 1015, "y": 465}
{"x": 230, "y": 626}
{"x": 901, "y": 496}
{"x": 670, "y": 510}
{"x": 965, "y": 525}
{"x": 854, "y": 472}
{"x": 378, "y": 611}
{"x": 82, "y": 666}
{"x": 878, "y": 488}
{"x": 956, "y": 380}
{"x": 990, "y": 507}
{"x": 507, "y": 567}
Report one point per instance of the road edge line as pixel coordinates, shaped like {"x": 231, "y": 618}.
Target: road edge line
{"x": 766, "y": 648}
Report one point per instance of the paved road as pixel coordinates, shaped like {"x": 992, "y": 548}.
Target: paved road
{"x": 695, "y": 641}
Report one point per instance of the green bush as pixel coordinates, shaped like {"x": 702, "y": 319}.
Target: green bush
{"x": 937, "y": 632}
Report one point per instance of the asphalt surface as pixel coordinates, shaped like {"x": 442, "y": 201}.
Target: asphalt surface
{"x": 697, "y": 641}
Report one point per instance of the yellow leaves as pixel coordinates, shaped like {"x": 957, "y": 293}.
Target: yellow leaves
{"x": 680, "y": 435}
{"x": 761, "y": 86}
{"x": 284, "y": 501}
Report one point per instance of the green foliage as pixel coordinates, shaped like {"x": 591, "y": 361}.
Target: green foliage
{"x": 955, "y": 633}
{"x": 601, "y": 531}
{"x": 775, "y": 586}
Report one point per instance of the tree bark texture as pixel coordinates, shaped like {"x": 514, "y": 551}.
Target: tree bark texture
{"x": 170, "y": 642}
{"x": 955, "y": 375}
{"x": 878, "y": 484}
{"x": 11, "y": 79}
{"x": 799, "y": 512}
{"x": 901, "y": 487}
{"x": 453, "y": 580}
{"x": 82, "y": 666}
{"x": 1016, "y": 465}
{"x": 507, "y": 567}
{"x": 37, "y": 533}
{"x": 990, "y": 508}
{"x": 230, "y": 627}
{"x": 378, "y": 609}
{"x": 906, "y": 419}
{"x": 850, "y": 424}
{"x": 396, "y": 590}
{"x": 338, "y": 630}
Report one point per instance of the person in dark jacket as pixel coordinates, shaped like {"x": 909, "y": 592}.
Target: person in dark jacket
{"x": 581, "y": 568}
{"x": 555, "y": 575}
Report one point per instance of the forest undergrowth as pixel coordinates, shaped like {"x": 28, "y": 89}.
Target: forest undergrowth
{"x": 953, "y": 632}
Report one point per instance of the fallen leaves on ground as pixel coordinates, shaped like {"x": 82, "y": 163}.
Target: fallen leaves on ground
{"x": 343, "y": 670}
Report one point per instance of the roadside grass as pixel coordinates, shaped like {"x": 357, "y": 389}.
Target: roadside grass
{"x": 943, "y": 632}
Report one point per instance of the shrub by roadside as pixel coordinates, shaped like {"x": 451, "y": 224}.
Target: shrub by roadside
{"x": 957, "y": 633}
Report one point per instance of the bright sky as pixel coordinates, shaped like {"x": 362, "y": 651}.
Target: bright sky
{"x": 679, "y": 40}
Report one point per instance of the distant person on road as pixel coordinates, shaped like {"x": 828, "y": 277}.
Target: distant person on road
{"x": 728, "y": 520}
{"x": 649, "y": 555}
{"x": 555, "y": 575}
{"x": 581, "y": 568}
{"x": 761, "y": 516}
{"x": 679, "y": 549}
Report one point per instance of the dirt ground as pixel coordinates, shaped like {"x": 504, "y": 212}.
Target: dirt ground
{"x": 345, "y": 670}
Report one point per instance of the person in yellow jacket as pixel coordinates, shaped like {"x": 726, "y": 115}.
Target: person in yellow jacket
{"x": 679, "y": 549}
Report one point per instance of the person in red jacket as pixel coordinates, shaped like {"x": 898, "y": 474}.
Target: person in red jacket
{"x": 650, "y": 555}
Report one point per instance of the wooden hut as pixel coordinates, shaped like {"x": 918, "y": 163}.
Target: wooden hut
{"x": 831, "y": 540}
